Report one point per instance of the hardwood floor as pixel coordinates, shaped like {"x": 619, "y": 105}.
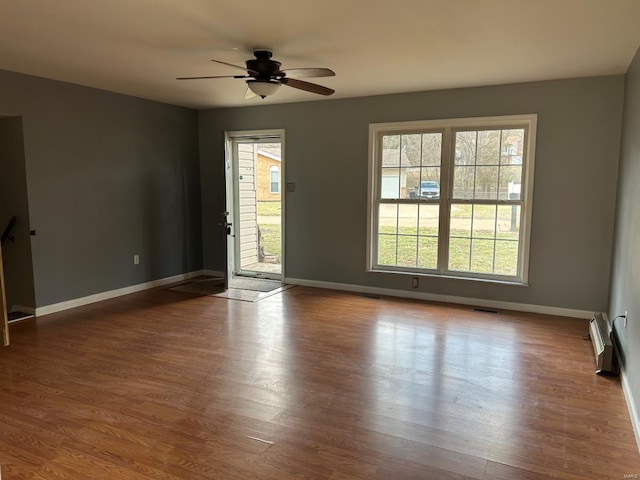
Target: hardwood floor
{"x": 306, "y": 384}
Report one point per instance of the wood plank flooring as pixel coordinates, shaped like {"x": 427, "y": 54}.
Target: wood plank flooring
{"x": 306, "y": 384}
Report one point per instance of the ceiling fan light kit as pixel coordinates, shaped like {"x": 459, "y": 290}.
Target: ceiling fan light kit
{"x": 265, "y": 76}
{"x": 263, "y": 88}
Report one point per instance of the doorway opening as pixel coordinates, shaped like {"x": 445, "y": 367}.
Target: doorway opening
{"x": 255, "y": 203}
{"x": 15, "y": 231}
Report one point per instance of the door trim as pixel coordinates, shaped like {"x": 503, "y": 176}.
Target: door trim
{"x": 4, "y": 320}
{"x": 251, "y": 136}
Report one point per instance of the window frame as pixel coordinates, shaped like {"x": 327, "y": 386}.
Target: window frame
{"x": 448, "y": 128}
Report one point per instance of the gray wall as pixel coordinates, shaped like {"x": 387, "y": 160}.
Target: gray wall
{"x": 18, "y": 270}
{"x": 578, "y": 144}
{"x": 625, "y": 272}
{"x": 108, "y": 176}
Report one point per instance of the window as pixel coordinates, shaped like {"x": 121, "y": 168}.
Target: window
{"x": 452, "y": 197}
{"x": 274, "y": 179}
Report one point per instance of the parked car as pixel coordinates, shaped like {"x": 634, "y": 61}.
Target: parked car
{"x": 427, "y": 189}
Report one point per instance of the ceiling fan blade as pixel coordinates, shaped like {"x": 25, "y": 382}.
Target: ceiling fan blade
{"x": 306, "y": 86}
{"x": 236, "y": 66}
{"x": 249, "y": 94}
{"x": 213, "y": 76}
{"x": 308, "y": 72}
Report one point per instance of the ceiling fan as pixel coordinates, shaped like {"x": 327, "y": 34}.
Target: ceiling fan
{"x": 265, "y": 77}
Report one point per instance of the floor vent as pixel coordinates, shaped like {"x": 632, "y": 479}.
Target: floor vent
{"x": 371, "y": 295}
{"x": 485, "y": 310}
{"x": 601, "y": 341}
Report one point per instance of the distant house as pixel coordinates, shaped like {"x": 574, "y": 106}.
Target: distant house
{"x": 268, "y": 164}
{"x": 394, "y": 178}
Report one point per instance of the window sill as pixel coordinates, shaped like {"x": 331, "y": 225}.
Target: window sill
{"x": 513, "y": 283}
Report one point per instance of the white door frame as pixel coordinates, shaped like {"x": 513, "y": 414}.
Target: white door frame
{"x": 4, "y": 322}
{"x": 231, "y": 140}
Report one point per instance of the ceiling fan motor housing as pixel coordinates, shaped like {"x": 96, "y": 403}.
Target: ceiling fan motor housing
{"x": 265, "y": 67}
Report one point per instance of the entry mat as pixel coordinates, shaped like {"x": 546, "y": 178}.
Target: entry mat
{"x": 255, "y": 284}
{"x": 240, "y": 288}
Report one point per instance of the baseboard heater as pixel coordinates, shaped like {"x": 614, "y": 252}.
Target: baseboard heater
{"x": 602, "y": 345}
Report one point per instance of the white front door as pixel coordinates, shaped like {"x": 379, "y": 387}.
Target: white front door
{"x": 255, "y": 201}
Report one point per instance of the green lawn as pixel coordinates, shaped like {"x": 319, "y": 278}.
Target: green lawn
{"x": 484, "y": 239}
{"x": 479, "y": 254}
{"x": 269, "y": 209}
{"x": 417, "y": 247}
{"x": 271, "y": 239}
{"x": 270, "y": 232}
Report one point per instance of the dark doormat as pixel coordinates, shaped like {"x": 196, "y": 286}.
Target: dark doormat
{"x": 246, "y": 295}
{"x": 246, "y": 289}
{"x": 254, "y": 284}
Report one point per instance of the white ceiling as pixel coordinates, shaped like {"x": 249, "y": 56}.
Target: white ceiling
{"x": 138, "y": 47}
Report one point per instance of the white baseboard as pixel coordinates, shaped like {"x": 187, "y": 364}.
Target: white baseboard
{"x": 98, "y": 297}
{"x": 522, "y": 307}
{"x": 631, "y": 405}
{"x": 432, "y": 297}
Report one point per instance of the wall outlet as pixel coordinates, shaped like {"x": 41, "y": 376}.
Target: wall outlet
{"x": 136, "y": 259}
{"x": 414, "y": 282}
